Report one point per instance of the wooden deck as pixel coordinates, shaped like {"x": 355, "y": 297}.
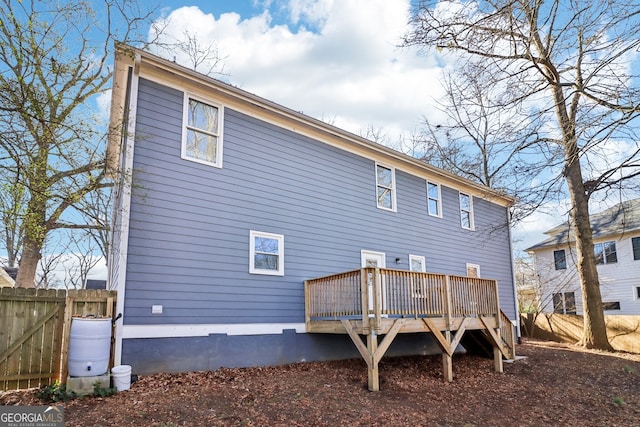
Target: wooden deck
{"x": 381, "y": 302}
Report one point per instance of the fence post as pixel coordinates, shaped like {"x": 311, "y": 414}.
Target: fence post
{"x": 64, "y": 359}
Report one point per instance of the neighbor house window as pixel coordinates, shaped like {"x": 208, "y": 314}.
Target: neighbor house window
{"x": 564, "y": 303}
{"x": 201, "y": 135}
{"x": 385, "y": 187}
{"x": 266, "y": 253}
{"x": 635, "y": 243}
{"x": 416, "y": 263}
{"x": 466, "y": 211}
{"x": 560, "y": 259}
{"x": 433, "y": 199}
{"x": 611, "y": 305}
{"x": 605, "y": 252}
{"x": 637, "y": 292}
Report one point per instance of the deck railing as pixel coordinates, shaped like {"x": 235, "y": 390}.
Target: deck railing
{"x": 382, "y": 292}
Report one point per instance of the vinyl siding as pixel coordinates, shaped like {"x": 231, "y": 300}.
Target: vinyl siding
{"x": 617, "y": 280}
{"x": 189, "y": 230}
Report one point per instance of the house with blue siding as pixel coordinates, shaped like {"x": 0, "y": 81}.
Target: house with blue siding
{"x": 229, "y": 208}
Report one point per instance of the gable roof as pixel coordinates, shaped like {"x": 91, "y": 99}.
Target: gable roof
{"x": 619, "y": 219}
{"x": 132, "y": 60}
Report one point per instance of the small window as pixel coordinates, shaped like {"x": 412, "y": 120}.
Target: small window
{"x": 266, "y": 253}
{"x": 473, "y": 270}
{"x": 385, "y": 187}
{"x": 637, "y": 292}
{"x": 560, "y": 259}
{"x": 605, "y": 252}
{"x": 611, "y": 305}
{"x": 466, "y": 211}
{"x": 433, "y": 199}
{"x": 416, "y": 263}
{"x": 201, "y": 136}
{"x": 635, "y": 243}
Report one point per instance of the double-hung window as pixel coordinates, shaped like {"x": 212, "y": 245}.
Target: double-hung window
{"x": 466, "y": 211}
{"x": 635, "y": 244}
{"x": 201, "y": 134}
{"x": 433, "y": 199}
{"x": 385, "y": 187}
{"x": 560, "y": 259}
{"x": 564, "y": 302}
{"x": 266, "y": 253}
{"x": 605, "y": 252}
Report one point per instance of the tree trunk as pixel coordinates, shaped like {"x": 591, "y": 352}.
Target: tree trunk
{"x": 595, "y": 330}
{"x": 31, "y": 256}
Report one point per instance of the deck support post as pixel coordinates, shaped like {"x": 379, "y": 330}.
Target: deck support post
{"x": 497, "y": 359}
{"x": 447, "y": 361}
{"x": 372, "y": 347}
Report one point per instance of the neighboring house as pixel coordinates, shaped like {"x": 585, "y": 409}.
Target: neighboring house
{"x": 95, "y": 284}
{"x": 6, "y": 279}
{"x": 228, "y": 202}
{"x": 616, "y": 237}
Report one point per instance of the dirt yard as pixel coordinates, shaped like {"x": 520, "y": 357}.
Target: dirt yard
{"x": 556, "y": 384}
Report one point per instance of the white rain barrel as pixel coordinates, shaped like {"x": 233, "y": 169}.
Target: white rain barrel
{"x": 89, "y": 346}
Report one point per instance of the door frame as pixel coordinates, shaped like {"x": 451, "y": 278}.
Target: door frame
{"x": 381, "y": 259}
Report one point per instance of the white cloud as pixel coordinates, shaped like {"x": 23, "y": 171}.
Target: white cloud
{"x": 341, "y": 60}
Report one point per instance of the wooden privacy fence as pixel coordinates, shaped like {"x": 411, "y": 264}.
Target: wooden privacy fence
{"x": 623, "y": 331}
{"x": 34, "y": 332}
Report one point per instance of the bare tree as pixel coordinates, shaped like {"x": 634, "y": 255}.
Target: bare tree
{"x": 488, "y": 137}
{"x": 200, "y": 56}
{"x": 574, "y": 63}
{"x": 54, "y": 62}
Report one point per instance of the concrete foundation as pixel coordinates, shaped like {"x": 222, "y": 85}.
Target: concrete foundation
{"x": 83, "y": 386}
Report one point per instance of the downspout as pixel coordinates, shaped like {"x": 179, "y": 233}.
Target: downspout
{"x": 118, "y": 270}
{"x": 513, "y": 279}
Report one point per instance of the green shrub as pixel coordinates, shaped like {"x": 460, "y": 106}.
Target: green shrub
{"x": 100, "y": 391}
{"x": 55, "y": 392}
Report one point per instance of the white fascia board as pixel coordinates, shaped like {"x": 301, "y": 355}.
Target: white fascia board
{"x": 126, "y": 169}
{"x": 203, "y": 330}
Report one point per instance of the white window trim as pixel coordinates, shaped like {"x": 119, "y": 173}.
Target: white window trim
{"x": 635, "y": 292}
{"x": 439, "y": 213}
{"x": 185, "y": 118}
{"x": 470, "y": 265}
{"x": 422, "y": 261}
{"x": 472, "y": 222}
{"x": 364, "y": 253}
{"x": 604, "y": 255}
{"x": 252, "y": 248}
{"x": 394, "y": 205}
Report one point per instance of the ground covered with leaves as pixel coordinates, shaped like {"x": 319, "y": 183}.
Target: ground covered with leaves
{"x": 556, "y": 384}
